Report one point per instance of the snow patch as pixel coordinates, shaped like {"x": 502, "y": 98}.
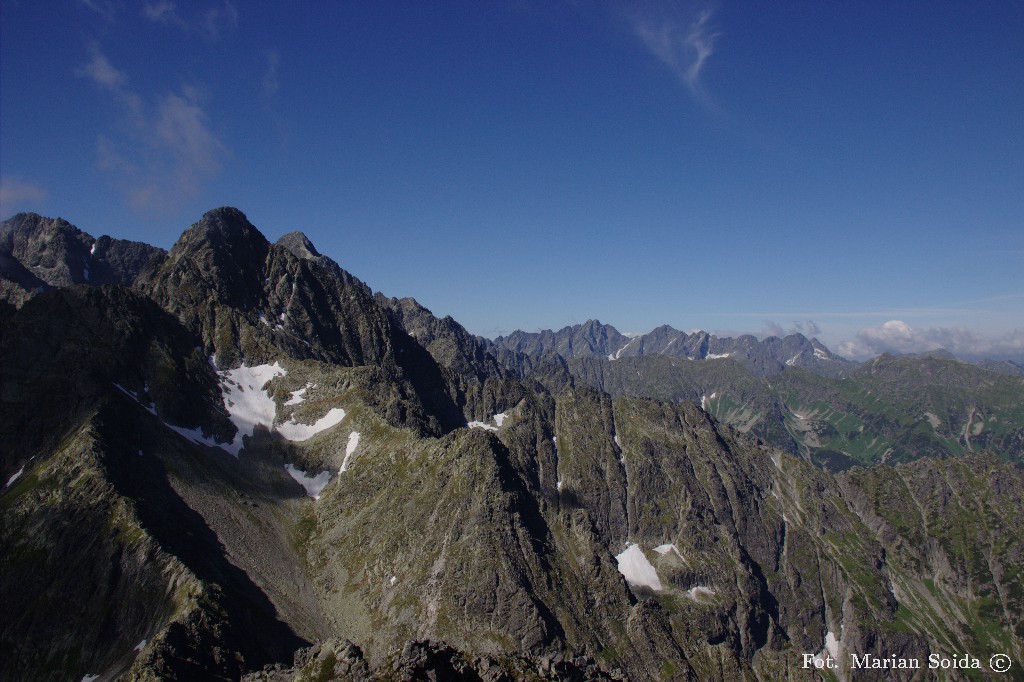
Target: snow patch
{"x": 792, "y": 360}
{"x": 393, "y": 581}
{"x": 248, "y": 405}
{"x": 500, "y": 418}
{"x": 194, "y": 435}
{"x": 197, "y": 437}
{"x": 353, "y": 443}
{"x": 617, "y": 441}
{"x": 821, "y": 355}
{"x": 481, "y": 425}
{"x": 618, "y": 353}
{"x": 297, "y": 396}
{"x": 140, "y": 646}
{"x": 293, "y": 430}
{"x": 698, "y": 592}
{"x": 14, "y": 476}
{"x": 558, "y": 485}
{"x": 313, "y": 484}
{"x": 636, "y": 569}
{"x": 90, "y": 678}
{"x": 703, "y": 402}
{"x": 830, "y": 648}
{"x": 717, "y": 356}
{"x": 665, "y": 549}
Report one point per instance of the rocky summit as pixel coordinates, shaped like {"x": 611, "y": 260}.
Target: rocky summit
{"x": 234, "y": 460}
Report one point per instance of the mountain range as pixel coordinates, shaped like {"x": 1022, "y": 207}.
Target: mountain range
{"x": 234, "y": 460}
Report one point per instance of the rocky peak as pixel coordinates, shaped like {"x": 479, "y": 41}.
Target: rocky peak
{"x": 299, "y": 244}
{"x": 224, "y": 255}
{"x": 224, "y": 227}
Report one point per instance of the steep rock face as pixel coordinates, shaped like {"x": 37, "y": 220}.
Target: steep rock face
{"x": 951, "y": 530}
{"x": 51, "y": 248}
{"x": 747, "y": 581}
{"x": 446, "y": 340}
{"x": 723, "y": 388}
{"x": 65, "y": 350}
{"x": 249, "y": 300}
{"x": 17, "y": 283}
{"x": 479, "y": 380}
{"x": 507, "y": 540}
{"x": 68, "y": 538}
{"x": 37, "y": 253}
{"x": 94, "y": 512}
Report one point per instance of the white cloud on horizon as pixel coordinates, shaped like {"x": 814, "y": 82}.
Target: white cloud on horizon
{"x": 682, "y": 40}
{"x": 164, "y": 149}
{"x": 896, "y": 336}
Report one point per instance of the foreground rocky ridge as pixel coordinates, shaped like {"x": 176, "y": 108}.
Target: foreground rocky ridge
{"x": 473, "y": 523}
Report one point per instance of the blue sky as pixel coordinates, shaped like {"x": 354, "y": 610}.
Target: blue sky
{"x": 735, "y": 167}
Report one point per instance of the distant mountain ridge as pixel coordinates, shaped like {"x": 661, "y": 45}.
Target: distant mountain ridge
{"x": 760, "y": 357}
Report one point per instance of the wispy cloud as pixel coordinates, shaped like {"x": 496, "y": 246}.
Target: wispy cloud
{"x": 163, "y": 149}
{"x": 271, "y": 82}
{"x": 16, "y": 194}
{"x": 104, "y": 8}
{"x": 217, "y": 20}
{"x": 102, "y": 72}
{"x": 896, "y": 336}
{"x": 806, "y": 327}
{"x": 163, "y": 12}
{"x": 684, "y": 39}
